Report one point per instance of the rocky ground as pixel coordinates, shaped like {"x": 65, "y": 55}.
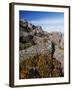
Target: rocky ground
{"x": 41, "y": 54}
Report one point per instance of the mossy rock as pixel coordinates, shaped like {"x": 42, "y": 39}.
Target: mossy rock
{"x": 24, "y": 46}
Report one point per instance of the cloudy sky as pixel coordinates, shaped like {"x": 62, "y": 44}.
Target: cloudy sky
{"x": 50, "y": 21}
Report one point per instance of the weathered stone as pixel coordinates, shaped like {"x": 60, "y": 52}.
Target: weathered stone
{"x": 41, "y": 54}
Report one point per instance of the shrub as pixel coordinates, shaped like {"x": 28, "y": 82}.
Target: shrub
{"x": 24, "y": 46}
{"x": 45, "y": 40}
{"x": 45, "y": 66}
{"x": 29, "y": 30}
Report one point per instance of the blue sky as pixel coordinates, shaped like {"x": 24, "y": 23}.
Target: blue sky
{"x": 50, "y": 21}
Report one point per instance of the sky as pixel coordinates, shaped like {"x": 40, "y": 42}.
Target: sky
{"x": 49, "y": 21}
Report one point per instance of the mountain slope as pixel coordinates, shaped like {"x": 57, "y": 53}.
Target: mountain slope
{"x": 39, "y": 52}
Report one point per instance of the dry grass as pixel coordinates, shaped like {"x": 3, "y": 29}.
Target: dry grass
{"x": 45, "y": 65}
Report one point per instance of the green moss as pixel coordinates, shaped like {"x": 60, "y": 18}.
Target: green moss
{"x": 29, "y": 30}
{"x": 24, "y": 46}
{"x": 62, "y": 49}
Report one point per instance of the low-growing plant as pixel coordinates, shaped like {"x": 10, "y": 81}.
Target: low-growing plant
{"x": 24, "y": 46}
{"x": 44, "y": 65}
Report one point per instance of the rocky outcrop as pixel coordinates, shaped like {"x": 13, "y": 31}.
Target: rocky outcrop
{"x": 35, "y": 50}
{"x": 62, "y": 42}
{"x": 59, "y": 55}
{"x": 30, "y": 26}
{"x": 23, "y": 23}
{"x": 41, "y": 54}
{"x": 57, "y": 38}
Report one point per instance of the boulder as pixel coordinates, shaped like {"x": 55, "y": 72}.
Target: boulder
{"x": 34, "y": 50}
{"x": 62, "y": 42}
{"x": 56, "y": 37}
{"x": 59, "y": 55}
{"x": 23, "y": 23}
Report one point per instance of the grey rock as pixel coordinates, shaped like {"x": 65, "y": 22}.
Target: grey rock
{"x": 23, "y": 23}
{"x": 62, "y": 42}
{"x": 40, "y": 40}
{"x": 56, "y": 37}
{"x": 59, "y": 55}
{"x": 30, "y": 25}
{"x": 22, "y": 33}
{"x": 35, "y": 50}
